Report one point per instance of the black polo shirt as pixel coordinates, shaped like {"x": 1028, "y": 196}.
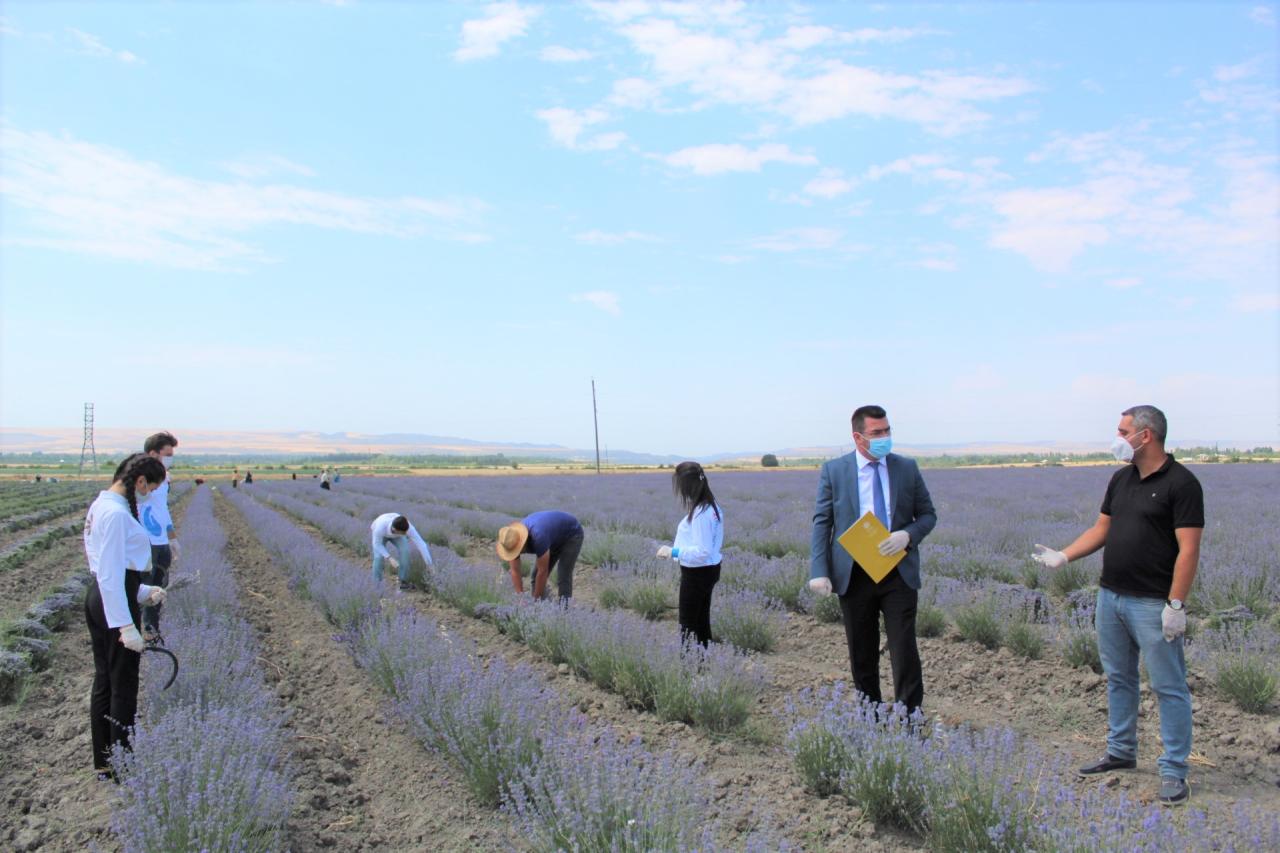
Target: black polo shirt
{"x": 1141, "y": 546}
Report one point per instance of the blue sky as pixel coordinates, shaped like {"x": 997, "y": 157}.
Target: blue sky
{"x": 1000, "y": 221}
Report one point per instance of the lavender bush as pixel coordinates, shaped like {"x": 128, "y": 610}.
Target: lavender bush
{"x": 749, "y": 620}
{"x": 229, "y": 785}
{"x": 1243, "y": 659}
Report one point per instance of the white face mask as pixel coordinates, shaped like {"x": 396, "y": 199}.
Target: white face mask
{"x": 167, "y": 462}
{"x": 1121, "y": 449}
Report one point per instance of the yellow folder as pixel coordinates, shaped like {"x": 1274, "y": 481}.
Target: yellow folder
{"x": 862, "y": 541}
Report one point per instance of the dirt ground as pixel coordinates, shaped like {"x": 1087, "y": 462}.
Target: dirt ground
{"x": 364, "y": 783}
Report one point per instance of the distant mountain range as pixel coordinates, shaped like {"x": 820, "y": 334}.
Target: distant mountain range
{"x": 114, "y": 440}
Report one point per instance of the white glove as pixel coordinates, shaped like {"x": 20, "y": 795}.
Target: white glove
{"x": 1174, "y": 623}
{"x": 665, "y": 552}
{"x": 156, "y": 598}
{"x": 897, "y": 541}
{"x": 822, "y": 586}
{"x": 131, "y": 639}
{"x": 1049, "y": 558}
{"x": 393, "y": 563}
{"x": 175, "y": 549}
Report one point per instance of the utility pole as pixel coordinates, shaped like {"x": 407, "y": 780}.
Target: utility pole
{"x": 595, "y": 418}
{"x": 86, "y": 448}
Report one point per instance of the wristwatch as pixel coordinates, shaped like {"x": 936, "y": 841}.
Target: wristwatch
{"x": 1175, "y": 604}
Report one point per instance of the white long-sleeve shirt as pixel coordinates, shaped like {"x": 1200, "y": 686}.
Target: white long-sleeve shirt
{"x": 115, "y": 543}
{"x": 154, "y": 514}
{"x": 698, "y": 542}
{"x": 382, "y": 532}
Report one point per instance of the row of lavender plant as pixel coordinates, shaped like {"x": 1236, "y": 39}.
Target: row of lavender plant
{"x": 748, "y": 614}
{"x": 209, "y": 768}
{"x": 978, "y": 576}
{"x": 569, "y": 784}
{"x": 966, "y": 790}
{"x": 745, "y": 620}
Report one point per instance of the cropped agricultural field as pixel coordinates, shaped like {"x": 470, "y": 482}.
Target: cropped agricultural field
{"x": 317, "y": 710}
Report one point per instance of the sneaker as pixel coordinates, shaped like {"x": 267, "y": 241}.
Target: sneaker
{"x": 1173, "y": 791}
{"x": 405, "y": 586}
{"x": 1106, "y": 765}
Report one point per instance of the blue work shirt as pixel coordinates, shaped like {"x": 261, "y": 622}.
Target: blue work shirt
{"x": 549, "y": 530}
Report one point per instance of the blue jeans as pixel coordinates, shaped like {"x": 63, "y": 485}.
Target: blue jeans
{"x": 1128, "y": 625}
{"x": 399, "y": 546}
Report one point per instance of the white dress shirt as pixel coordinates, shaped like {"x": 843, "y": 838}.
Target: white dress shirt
{"x": 698, "y": 543}
{"x": 866, "y": 495}
{"x": 382, "y": 532}
{"x": 115, "y": 543}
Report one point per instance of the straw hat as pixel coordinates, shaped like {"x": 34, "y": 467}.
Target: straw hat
{"x": 511, "y": 540}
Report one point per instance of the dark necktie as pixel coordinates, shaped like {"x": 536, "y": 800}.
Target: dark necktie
{"x": 877, "y": 490}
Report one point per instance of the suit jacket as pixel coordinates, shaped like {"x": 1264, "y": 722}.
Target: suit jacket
{"x": 838, "y": 507}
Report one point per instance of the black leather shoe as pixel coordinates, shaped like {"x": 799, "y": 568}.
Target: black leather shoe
{"x": 1106, "y": 765}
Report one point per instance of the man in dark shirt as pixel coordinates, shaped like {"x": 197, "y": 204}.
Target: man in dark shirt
{"x": 554, "y": 538}
{"x": 1150, "y": 526}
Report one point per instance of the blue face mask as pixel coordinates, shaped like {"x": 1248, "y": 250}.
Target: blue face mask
{"x": 880, "y": 447}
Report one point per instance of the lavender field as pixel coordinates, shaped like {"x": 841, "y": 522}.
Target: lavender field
{"x": 459, "y": 716}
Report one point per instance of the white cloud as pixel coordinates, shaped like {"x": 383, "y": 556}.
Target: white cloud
{"x": 557, "y": 53}
{"x": 484, "y": 37}
{"x": 263, "y": 165}
{"x": 904, "y": 166}
{"x": 614, "y": 238}
{"x": 566, "y": 126}
{"x": 830, "y": 183}
{"x": 85, "y": 198}
{"x": 635, "y": 93}
{"x": 605, "y": 300}
{"x": 91, "y": 45}
{"x": 717, "y": 159}
{"x": 799, "y": 240}
{"x": 1214, "y": 215}
{"x": 1254, "y": 302}
{"x": 732, "y": 63}
{"x": 1124, "y": 283}
{"x": 1264, "y": 15}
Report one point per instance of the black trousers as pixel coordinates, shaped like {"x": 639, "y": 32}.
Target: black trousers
{"x": 861, "y": 606}
{"x": 161, "y": 560}
{"x": 562, "y": 562}
{"x": 113, "y": 702}
{"x": 695, "y": 601}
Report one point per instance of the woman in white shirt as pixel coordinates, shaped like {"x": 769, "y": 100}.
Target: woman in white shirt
{"x": 119, "y": 552}
{"x": 699, "y": 538}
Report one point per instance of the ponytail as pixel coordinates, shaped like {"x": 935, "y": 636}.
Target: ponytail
{"x": 133, "y": 467}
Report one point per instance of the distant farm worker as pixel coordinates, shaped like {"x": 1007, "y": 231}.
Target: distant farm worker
{"x": 699, "y": 538}
{"x": 337, "y": 477}
{"x": 1149, "y": 529}
{"x": 324, "y": 479}
{"x": 871, "y": 478}
{"x": 248, "y": 477}
{"x": 155, "y": 517}
{"x": 554, "y": 538}
{"x": 118, "y": 548}
{"x": 392, "y": 530}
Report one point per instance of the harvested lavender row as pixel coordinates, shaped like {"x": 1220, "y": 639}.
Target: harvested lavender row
{"x": 968, "y": 790}
{"x": 209, "y": 767}
{"x": 517, "y": 742}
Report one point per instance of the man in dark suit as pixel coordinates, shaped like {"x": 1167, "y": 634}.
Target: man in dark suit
{"x": 871, "y": 479}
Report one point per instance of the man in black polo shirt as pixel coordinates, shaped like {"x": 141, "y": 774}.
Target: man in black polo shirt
{"x": 1151, "y": 522}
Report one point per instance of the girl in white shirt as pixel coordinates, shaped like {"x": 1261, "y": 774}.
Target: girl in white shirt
{"x": 699, "y": 538}
{"x": 119, "y": 552}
